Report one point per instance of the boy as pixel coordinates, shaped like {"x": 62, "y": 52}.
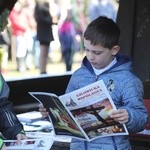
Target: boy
{"x": 10, "y": 126}
{"x": 102, "y": 61}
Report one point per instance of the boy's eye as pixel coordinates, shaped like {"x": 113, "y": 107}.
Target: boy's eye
{"x": 96, "y": 52}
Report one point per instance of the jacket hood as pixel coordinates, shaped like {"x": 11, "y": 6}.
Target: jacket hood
{"x": 123, "y": 63}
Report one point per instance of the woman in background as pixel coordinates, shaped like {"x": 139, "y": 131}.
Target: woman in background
{"x": 44, "y": 31}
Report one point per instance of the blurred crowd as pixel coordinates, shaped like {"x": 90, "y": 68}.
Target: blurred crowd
{"x": 34, "y": 24}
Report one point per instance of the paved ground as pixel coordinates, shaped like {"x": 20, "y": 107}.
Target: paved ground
{"x": 53, "y": 67}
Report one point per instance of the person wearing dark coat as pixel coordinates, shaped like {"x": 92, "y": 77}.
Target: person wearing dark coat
{"x": 44, "y": 31}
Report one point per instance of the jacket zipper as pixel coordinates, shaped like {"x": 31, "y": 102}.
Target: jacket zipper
{"x": 96, "y": 77}
{"x": 115, "y": 145}
{"x": 85, "y": 145}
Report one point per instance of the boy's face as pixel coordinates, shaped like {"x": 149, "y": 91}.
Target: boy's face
{"x": 99, "y": 56}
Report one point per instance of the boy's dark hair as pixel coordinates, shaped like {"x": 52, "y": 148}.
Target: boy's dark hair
{"x": 102, "y": 31}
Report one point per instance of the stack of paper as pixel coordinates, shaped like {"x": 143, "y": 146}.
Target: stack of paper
{"x": 30, "y": 144}
{"x": 30, "y": 116}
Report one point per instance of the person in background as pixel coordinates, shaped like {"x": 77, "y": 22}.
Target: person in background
{"x": 102, "y": 8}
{"x": 67, "y": 40}
{"x": 30, "y": 34}
{"x": 19, "y": 25}
{"x": 10, "y": 126}
{"x": 44, "y": 31}
{"x": 104, "y": 62}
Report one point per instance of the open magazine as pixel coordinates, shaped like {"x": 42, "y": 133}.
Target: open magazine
{"x": 30, "y": 144}
{"x": 83, "y": 113}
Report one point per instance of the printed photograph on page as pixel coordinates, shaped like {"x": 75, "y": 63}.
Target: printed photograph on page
{"x": 95, "y": 120}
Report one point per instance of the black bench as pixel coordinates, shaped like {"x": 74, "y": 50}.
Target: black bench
{"x": 19, "y": 89}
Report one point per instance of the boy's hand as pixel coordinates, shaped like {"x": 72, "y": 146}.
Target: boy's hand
{"x": 43, "y": 110}
{"x": 120, "y": 115}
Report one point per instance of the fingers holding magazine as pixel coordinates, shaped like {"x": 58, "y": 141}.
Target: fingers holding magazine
{"x": 120, "y": 115}
{"x": 43, "y": 110}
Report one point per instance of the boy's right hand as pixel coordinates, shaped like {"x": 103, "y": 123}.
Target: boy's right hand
{"x": 43, "y": 110}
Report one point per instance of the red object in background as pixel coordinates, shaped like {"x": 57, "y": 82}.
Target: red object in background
{"x": 147, "y": 104}
{"x": 148, "y": 126}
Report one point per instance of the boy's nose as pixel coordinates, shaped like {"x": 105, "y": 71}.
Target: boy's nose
{"x": 90, "y": 56}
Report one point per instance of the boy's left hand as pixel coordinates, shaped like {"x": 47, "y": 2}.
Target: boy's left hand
{"x": 120, "y": 115}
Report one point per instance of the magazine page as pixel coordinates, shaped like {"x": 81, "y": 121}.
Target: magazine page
{"x": 91, "y": 106}
{"x": 62, "y": 122}
{"x": 30, "y": 144}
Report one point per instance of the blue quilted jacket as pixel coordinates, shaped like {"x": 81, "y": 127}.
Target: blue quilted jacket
{"x": 126, "y": 91}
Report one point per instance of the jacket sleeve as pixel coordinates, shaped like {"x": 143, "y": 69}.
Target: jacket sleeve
{"x": 10, "y": 126}
{"x": 133, "y": 103}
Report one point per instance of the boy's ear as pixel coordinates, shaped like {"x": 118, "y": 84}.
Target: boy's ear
{"x": 115, "y": 50}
